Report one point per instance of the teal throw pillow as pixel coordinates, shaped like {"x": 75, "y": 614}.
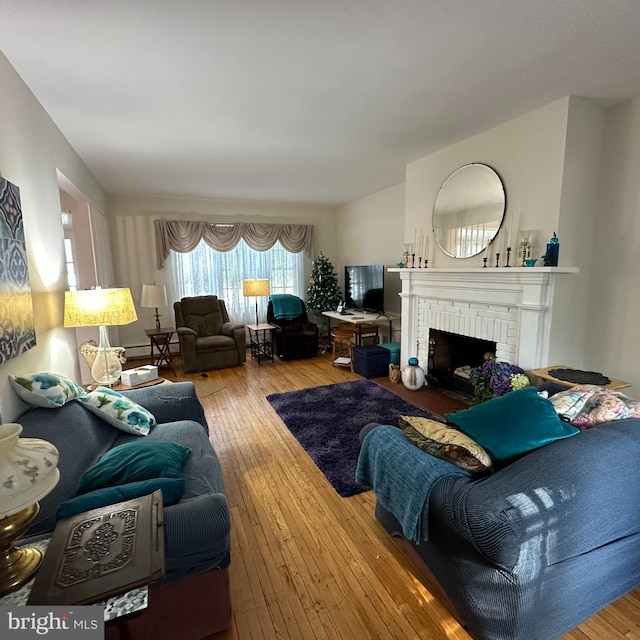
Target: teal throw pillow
{"x": 45, "y": 389}
{"x": 135, "y": 461}
{"x": 119, "y": 411}
{"x": 172, "y": 491}
{"x": 509, "y": 426}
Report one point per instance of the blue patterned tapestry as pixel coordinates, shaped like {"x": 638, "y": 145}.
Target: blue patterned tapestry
{"x": 17, "y": 331}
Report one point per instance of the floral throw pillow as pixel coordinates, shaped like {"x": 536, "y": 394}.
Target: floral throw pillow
{"x": 119, "y": 411}
{"x": 587, "y": 405}
{"x": 45, "y": 389}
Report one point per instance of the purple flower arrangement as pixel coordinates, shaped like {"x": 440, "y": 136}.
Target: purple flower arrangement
{"x": 493, "y": 379}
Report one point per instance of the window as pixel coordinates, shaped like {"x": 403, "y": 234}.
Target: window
{"x": 69, "y": 251}
{"x": 205, "y": 271}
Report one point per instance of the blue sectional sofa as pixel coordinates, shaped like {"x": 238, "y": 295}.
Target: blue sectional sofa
{"x": 197, "y": 529}
{"x": 532, "y": 550}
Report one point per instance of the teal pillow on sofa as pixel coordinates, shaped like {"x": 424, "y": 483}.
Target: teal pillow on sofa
{"x": 172, "y": 490}
{"x": 512, "y": 425}
{"x": 135, "y": 461}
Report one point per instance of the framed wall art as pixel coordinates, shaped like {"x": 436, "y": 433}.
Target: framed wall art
{"x": 17, "y": 330}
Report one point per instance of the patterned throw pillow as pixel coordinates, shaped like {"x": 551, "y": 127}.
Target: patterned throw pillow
{"x": 449, "y": 444}
{"x": 45, "y": 389}
{"x": 588, "y": 405}
{"x": 119, "y": 411}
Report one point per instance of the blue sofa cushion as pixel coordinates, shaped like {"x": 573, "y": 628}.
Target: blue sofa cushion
{"x": 509, "y": 426}
{"x": 172, "y": 490}
{"x": 135, "y": 461}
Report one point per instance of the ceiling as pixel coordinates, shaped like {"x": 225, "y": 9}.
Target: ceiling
{"x": 317, "y": 101}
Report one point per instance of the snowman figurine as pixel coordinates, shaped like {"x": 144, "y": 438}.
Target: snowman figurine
{"x": 413, "y": 375}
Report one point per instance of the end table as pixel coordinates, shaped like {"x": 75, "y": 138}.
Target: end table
{"x": 161, "y": 341}
{"x": 261, "y": 349}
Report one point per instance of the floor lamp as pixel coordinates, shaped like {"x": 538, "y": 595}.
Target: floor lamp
{"x": 101, "y": 308}
{"x": 257, "y": 288}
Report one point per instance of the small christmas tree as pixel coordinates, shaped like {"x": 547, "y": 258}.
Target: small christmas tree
{"x": 323, "y": 293}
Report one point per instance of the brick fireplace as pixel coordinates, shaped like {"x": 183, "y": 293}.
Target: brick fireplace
{"x": 512, "y": 307}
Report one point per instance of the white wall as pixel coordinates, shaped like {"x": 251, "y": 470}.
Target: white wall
{"x": 578, "y": 212}
{"x": 370, "y": 231}
{"x": 132, "y": 234}
{"x": 528, "y": 154}
{"x": 32, "y": 148}
{"x": 614, "y": 304}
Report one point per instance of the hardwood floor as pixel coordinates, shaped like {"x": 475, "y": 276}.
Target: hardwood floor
{"x": 307, "y": 564}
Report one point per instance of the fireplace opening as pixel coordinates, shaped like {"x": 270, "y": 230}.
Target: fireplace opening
{"x": 452, "y": 356}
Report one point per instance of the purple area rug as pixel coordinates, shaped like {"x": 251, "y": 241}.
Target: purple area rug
{"x": 326, "y": 421}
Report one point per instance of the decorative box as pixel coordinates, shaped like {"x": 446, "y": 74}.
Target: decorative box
{"x": 139, "y": 375}
{"x": 372, "y": 361}
{"x": 394, "y": 348}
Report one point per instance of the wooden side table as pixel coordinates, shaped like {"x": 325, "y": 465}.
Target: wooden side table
{"x": 149, "y": 383}
{"x": 132, "y": 601}
{"x": 261, "y": 349}
{"x": 161, "y": 341}
{"x": 545, "y": 375}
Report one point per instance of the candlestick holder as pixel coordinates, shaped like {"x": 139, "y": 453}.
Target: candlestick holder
{"x": 426, "y": 263}
{"x": 413, "y": 260}
{"x": 419, "y": 262}
{"x": 497, "y": 259}
{"x": 524, "y": 247}
{"x": 508, "y": 256}
{"x": 484, "y": 262}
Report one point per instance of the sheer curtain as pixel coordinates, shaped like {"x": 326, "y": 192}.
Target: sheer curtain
{"x": 205, "y": 271}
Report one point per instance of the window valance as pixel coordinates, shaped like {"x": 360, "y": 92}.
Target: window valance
{"x": 184, "y": 236}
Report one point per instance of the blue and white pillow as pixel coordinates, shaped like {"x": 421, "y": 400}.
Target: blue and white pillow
{"x": 45, "y": 389}
{"x": 119, "y": 411}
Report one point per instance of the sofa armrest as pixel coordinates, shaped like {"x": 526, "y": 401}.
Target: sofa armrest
{"x": 560, "y": 501}
{"x": 307, "y": 325}
{"x": 170, "y": 402}
{"x": 197, "y": 534}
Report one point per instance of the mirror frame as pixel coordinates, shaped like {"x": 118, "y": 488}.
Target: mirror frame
{"x": 484, "y": 204}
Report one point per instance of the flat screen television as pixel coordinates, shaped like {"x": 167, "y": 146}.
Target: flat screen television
{"x": 364, "y": 287}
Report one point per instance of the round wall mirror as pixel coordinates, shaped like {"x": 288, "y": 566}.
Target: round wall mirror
{"x": 468, "y": 210}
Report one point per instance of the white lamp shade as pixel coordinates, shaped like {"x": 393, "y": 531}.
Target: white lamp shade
{"x": 28, "y": 469}
{"x": 153, "y": 295}
{"x": 255, "y": 288}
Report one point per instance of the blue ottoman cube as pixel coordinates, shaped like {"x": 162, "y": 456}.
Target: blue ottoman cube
{"x": 372, "y": 361}
{"x": 394, "y": 348}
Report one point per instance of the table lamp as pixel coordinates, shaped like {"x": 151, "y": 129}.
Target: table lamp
{"x": 255, "y": 288}
{"x": 100, "y": 308}
{"x": 154, "y": 296}
{"x": 28, "y": 472}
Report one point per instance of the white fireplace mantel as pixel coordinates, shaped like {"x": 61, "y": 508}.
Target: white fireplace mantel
{"x": 511, "y": 306}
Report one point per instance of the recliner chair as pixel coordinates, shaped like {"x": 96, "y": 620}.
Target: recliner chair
{"x": 208, "y": 339}
{"x": 295, "y": 337}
